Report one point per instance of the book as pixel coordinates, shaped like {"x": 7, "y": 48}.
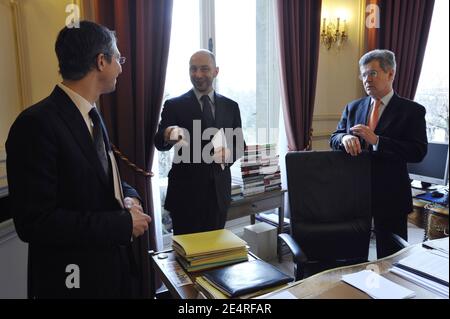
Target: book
{"x": 245, "y": 278}
{"x": 211, "y": 292}
{"x": 198, "y": 244}
{"x": 210, "y": 249}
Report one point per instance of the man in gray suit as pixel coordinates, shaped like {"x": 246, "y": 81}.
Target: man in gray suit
{"x": 199, "y": 190}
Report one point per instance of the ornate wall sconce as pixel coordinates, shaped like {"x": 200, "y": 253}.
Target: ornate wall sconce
{"x": 333, "y": 34}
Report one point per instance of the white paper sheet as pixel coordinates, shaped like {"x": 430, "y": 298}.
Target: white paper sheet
{"x": 284, "y": 294}
{"x": 377, "y": 286}
{"x": 219, "y": 141}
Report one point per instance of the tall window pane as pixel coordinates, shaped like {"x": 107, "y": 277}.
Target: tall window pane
{"x": 185, "y": 39}
{"x": 433, "y": 88}
{"x": 245, "y": 54}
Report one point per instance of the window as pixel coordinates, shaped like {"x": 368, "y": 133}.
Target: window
{"x": 432, "y": 91}
{"x": 242, "y": 35}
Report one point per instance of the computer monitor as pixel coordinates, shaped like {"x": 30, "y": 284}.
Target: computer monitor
{"x": 434, "y": 167}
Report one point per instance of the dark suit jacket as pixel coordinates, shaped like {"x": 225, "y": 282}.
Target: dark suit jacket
{"x": 187, "y": 181}
{"x": 402, "y": 138}
{"x": 63, "y": 204}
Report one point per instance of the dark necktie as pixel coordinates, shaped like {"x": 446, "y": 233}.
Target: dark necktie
{"x": 99, "y": 140}
{"x": 207, "y": 112}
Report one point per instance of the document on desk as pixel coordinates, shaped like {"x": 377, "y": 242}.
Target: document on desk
{"x": 284, "y": 294}
{"x": 176, "y": 273}
{"x": 377, "y": 286}
{"x": 430, "y": 264}
{"x": 438, "y": 244}
{"x": 431, "y": 285}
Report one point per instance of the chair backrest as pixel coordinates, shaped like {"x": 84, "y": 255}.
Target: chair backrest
{"x": 329, "y": 198}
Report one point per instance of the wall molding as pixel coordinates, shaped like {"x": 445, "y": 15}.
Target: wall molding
{"x": 327, "y": 117}
{"x": 3, "y": 178}
{"x": 324, "y": 135}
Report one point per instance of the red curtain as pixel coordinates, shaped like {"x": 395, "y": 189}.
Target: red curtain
{"x": 131, "y": 113}
{"x": 299, "y": 39}
{"x": 404, "y": 29}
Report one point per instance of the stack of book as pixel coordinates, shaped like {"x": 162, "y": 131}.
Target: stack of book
{"x": 243, "y": 280}
{"x": 259, "y": 170}
{"x": 236, "y": 190}
{"x": 200, "y": 251}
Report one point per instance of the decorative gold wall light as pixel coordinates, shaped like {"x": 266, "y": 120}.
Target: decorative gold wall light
{"x": 334, "y": 33}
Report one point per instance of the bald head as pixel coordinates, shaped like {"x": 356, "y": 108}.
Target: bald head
{"x": 204, "y": 53}
{"x": 203, "y": 70}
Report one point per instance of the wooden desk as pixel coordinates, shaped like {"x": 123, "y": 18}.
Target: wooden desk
{"x": 325, "y": 284}
{"x": 259, "y": 203}
{"x": 160, "y": 265}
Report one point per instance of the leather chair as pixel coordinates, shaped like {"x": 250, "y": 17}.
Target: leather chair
{"x": 330, "y": 210}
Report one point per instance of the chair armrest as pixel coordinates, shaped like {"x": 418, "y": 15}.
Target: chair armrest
{"x": 399, "y": 241}
{"x": 298, "y": 254}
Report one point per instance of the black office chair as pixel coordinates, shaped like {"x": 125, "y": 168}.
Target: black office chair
{"x": 329, "y": 198}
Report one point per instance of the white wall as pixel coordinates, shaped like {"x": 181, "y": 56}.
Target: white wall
{"x": 337, "y": 80}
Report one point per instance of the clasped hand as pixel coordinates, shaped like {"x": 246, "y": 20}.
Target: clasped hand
{"x": 351, "y": 142}
{"x": 140, "y": 219}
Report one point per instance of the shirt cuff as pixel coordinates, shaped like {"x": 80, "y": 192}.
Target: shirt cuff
{"x": 375, "y": 147}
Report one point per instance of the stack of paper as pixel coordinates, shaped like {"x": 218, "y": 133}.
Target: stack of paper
{"x": 428, "y": 269}
{"x": 206, "y": 250}
{"x": 377, "y": 286}
{"x": 438, "y": 244}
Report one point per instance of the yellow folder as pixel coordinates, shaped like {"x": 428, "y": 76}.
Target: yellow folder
{"x": 197, "y": 244}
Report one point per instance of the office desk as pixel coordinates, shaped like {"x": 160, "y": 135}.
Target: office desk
{"x": 259, "y": 203}
{"x": 328, "y": 284}
{"x": 160, "y": 265}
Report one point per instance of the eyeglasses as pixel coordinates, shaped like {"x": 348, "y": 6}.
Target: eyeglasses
{"x": 365, "y": 75}
{"x": 121, "y": 59}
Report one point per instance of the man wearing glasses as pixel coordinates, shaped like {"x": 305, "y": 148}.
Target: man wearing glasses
{"x": 393, "y": 129}
{"x": 67, "y": 199}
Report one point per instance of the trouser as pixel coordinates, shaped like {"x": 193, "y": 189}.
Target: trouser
{"x": 387, "y": 224}
{"x": 200, "y": 217}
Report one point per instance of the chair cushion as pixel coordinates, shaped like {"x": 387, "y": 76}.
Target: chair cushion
{"x": 335, "y": 240}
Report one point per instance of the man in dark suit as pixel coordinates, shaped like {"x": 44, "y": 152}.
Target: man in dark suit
{"x": 68, "y": 201}
{"x": 393, "y": 129}
{"x": 199, "y": 190}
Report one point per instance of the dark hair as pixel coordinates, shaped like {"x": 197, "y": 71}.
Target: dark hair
{"x": 77, "y": 48}
{"x": 386, "y": 59}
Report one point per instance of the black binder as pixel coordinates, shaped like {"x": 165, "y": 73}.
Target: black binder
{"x": 246, "y": 277}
